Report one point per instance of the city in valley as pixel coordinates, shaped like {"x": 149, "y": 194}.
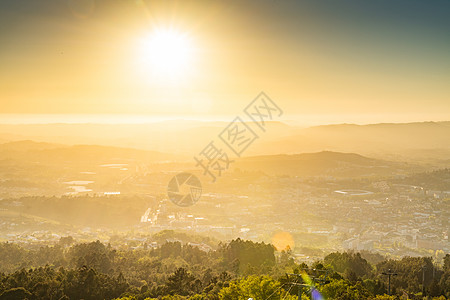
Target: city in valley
{"x": 318, "y": 202}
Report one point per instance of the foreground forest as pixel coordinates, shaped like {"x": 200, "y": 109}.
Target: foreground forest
{"x": 235, "y": 270}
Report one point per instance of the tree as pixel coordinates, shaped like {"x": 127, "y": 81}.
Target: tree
{"x": 180, "y": 283}
{"x": 245, "y": 254}
{"x": 344, "y": 290}
{"x": 256, "y": 287}
{"x": 349, "y": 262}
{"x": 16, "y": 293}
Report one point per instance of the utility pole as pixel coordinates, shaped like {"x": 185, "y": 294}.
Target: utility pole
{"x": 389, "y": 273}
{"x": 314, "y": 278}
{"x": 298, "y": 284}
{"x": 423, "y": 279}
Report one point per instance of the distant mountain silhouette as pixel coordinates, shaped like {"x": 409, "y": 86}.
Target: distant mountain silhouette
{"x": 402, "y": 141}
{"x": 325, "y": 163}
{"x": 28, "y": 145}
{"x": 427, "y": 142}
{"x": 34, "y": 151}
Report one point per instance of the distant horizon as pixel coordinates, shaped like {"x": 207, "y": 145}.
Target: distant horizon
{"x": 292, "y": 120}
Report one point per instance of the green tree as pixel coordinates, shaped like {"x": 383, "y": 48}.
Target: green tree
{"x": 180, "y": 283}
{"x": 256, "y": 287}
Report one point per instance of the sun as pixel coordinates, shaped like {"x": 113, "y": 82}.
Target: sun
{"x": 167, "y": 53}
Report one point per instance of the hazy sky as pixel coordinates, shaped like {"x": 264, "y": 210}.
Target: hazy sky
{"x": 368, "y": 58}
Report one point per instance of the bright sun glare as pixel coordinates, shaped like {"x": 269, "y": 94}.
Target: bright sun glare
{"x": 167, "y": 53}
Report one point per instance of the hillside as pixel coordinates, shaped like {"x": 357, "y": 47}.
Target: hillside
{"x": 325, "y": 163}
{"x": 52, "y": 153}
{"x": 417, "y": 142}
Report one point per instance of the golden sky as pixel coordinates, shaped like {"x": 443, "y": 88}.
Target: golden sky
{"x": 312, "y": 57}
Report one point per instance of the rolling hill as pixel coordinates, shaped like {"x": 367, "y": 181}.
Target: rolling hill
{"x": 47, "y": 152}
{"x": 325, "y": 163}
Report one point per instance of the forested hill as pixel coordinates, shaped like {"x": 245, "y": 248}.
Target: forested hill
{"x": 235, "y": 270}
{"x": 438, "y": 180}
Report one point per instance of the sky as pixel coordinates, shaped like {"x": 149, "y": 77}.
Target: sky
{"x": 370, "y": 61}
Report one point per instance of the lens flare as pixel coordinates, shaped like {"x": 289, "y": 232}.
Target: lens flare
{"x": 315, "y": 294}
